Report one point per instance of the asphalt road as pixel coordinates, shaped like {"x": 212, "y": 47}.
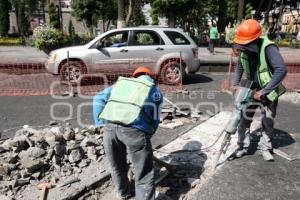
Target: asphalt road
{"x": 246, "y": 178}
{"x": 16, "y": 111}
{"x": 204, "y": 95}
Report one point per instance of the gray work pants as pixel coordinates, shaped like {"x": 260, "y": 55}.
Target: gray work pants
{"x": 268, "y": 113}
{"x": 120, "y": 139}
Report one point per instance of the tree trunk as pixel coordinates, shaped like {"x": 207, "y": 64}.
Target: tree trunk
{"x": 121, "y": 14}
{"x": 241, "y": 10}
{"x": 129, "y": 14}
{"x": 257, "y": 12}
{"x": 171, "y": 17}
{"x": 222, "y": 15}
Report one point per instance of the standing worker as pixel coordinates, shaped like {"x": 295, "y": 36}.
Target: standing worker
{"x": 213, "y": 35}
{"x": 129, "y": 111}
{"x": 260, "y": 60}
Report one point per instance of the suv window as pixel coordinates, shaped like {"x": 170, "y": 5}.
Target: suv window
{"x": 146, "y": 38}
{"x": 177, "y": 38}
{"x": 118, "y": 39}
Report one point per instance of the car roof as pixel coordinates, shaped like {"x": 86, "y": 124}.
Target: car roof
{"x": 148, "y": 28}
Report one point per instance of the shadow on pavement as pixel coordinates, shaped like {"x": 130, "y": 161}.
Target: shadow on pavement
{"x": 189, "y": 162}
{"x": 196, "y": 78}
{"x": 280, "y": 139}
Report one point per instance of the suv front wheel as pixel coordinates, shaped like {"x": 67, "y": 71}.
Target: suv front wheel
{"x": 172, "y": 73}
{"x": 72, "y": 71}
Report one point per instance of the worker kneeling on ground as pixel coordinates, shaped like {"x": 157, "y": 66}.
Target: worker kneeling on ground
{"x": 129, "y": 111}
{"x": 260, "y": 60}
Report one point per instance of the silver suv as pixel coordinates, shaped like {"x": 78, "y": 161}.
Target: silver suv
{"x": 169, "y": 52}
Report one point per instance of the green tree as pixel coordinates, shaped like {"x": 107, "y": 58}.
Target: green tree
{"x": 107, "y": 12}
{"x": 87, "y": 11}
{"x": 248, "y": 14}
{"x": 172, "y": 9}
{"x": 24, "y": 10}
{"x": 54, "y": 18}
{"x": 71, "y": 29}
{"x": 4, "y": 17}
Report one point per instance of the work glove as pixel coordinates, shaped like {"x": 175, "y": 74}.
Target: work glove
{"x": 258, "y": 96}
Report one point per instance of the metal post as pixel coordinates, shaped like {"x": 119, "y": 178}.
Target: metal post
{"x": 68, "y": 55}
{"x": 181, "y": 69}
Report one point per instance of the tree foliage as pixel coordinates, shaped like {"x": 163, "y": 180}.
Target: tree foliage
{"x": 54, "y": 19}
{"x": 90, "y": 11}
{"x": 4, "y": 17}
{"x": 71, "y": 30}
{"x": 248, "y": 14}
{"x": 24, "y": 10}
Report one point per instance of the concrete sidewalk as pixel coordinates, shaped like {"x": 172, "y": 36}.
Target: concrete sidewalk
{"x": 253, "y": 178}
{"x": 20, "y": 55}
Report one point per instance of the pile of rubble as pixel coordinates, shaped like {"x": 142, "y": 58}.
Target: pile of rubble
{"x": 46, "y": 155}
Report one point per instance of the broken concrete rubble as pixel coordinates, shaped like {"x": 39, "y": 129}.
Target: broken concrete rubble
{"x": 47, "y": 154}
{"x": 75, "y": 155}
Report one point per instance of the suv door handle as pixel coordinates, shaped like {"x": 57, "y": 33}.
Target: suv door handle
{"x": 124, "y": 50}
{"x": 159, "y": 49}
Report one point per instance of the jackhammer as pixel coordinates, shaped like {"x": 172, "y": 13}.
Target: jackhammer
{"x": 242, "y": 97}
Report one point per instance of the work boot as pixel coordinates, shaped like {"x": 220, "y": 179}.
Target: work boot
{"x": 266, "y": 154}
{"x": 240, "y": 152}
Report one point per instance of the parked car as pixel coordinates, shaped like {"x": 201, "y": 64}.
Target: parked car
{"x": 169, "y": 52}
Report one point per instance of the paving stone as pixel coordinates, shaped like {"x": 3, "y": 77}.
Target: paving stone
{"x": 69, "y": 134}
{"x": 59, "y": 149}
{"x": 25, "y": 174}
{"x": 172, "y": 125}
{"x": 36, "y": 175}
{"x": 79, "y": 136}
{"x": 51, "y": 138}
{"x": 12, "y": 158}
{"x": 4, "y": 169}
{"x": 72, "y": 145}
{"x": 92, "y": 153}
{"x": 75, "y": 155}
{"x": 31, "y": 165}
{"x": 33, "y": 152}
{"x": 19, "y": 143}
{"x": 50, "y": 153}
{"x": 23, "y": 181}
{"x": 89, "y": 141}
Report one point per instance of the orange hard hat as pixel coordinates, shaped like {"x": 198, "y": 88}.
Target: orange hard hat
{"x": 142, "y": 70}
{"x": 248, "y": 31}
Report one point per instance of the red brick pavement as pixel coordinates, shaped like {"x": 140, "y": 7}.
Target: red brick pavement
{"x": 47, "y": 84}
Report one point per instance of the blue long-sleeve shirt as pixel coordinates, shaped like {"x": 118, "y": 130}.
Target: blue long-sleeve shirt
{"x": 151, "y": 108}
{"x": 275, "y": 62}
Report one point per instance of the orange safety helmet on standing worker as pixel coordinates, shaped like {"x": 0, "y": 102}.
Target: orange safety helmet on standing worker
{"x": 142, "y": 70}
{"x": 248, "y": 31}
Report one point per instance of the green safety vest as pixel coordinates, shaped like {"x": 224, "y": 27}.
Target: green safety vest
{"x": 126, "y": 100}
{"x": 264, "y": 74}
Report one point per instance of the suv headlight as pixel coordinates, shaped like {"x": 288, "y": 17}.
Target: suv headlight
{"x": 53, "y": 57}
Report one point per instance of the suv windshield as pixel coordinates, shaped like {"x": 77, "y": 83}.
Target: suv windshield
{"x": 177, "y": 38}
